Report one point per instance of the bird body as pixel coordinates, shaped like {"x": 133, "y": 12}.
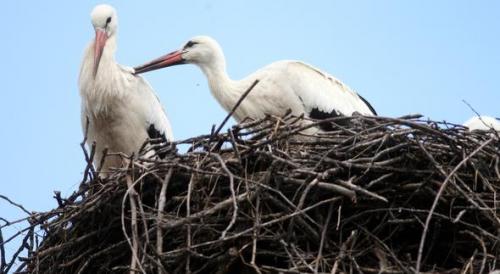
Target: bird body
{"x": 287, "y": 85}
{"x": 283, "y": 85}
{"x": 484, "y": 123}
{"x": 121, "y": 108}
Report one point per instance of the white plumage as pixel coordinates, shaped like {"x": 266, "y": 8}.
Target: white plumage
{"x": 484, "y": 123}
{"x": 121, "y": 108}
{"x": 283, "y": 85}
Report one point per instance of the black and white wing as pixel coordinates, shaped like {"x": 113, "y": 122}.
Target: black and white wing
{"x": 324, "y": 95}
{"x": 156, "y": 123}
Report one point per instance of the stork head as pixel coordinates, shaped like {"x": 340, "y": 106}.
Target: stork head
{"x": 199, "y": 50}
{"x": 105, "y": 22}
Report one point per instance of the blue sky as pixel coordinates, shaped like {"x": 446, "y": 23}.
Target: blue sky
{"x": 403, "y": 56}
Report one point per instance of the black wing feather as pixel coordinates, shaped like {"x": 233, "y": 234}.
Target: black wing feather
{"x": 154, "y": 133}
{"x": 369, "y": 105}
{"x": 321, "y": 115}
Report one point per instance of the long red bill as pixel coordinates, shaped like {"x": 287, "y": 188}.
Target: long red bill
{"x": 100, "y": 42}
{"x": 171, "y": 59}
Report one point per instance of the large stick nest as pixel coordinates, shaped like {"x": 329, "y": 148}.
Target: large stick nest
{"x": 376, "y": 195}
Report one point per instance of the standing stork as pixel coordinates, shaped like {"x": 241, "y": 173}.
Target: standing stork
{"x": 121, "y": 108}
{"x": 283, "y": 85}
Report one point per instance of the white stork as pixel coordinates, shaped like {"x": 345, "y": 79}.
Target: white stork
{"x": 483, "y": 123}
{"x": 283, "y": 85}
{"x": 121, "y": 108}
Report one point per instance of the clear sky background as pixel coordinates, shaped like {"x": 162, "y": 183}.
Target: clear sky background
{"x": 404, "y": 57}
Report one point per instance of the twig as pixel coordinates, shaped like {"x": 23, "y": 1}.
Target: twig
{"x": 161, "y": 207}
{"x": 14, "y": 204}
{"x": 243, "y": 96}
{"x": 434, "y": 204}
{"x": 233, "y": 194}
{"x": 3, "y": 262}
{"x": 483, "y": 248}
{"x": 134, "y": 243}
{"x": 255, "y": 236}
{"x": 188, "y": 230}
{"x": 323, "y": 237}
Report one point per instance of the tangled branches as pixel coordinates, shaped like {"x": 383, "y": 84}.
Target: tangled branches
{"x": 377, "y": 195}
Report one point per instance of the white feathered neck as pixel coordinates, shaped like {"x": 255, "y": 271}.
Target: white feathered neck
{"x": 108, "y": 85}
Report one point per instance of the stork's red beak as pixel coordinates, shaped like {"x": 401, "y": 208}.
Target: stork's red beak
{"x": 100, "y": 42}
{"x": 171, "y": 59}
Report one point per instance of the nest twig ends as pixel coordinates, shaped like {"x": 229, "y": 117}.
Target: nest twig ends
{"x": 377, "y": 195}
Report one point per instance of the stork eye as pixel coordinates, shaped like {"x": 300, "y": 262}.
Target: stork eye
{"x": 190, "y": 44}
{"x": 108, "y": 20}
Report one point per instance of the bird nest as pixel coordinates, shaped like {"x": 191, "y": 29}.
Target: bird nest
{"x": 376, "y": 195}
